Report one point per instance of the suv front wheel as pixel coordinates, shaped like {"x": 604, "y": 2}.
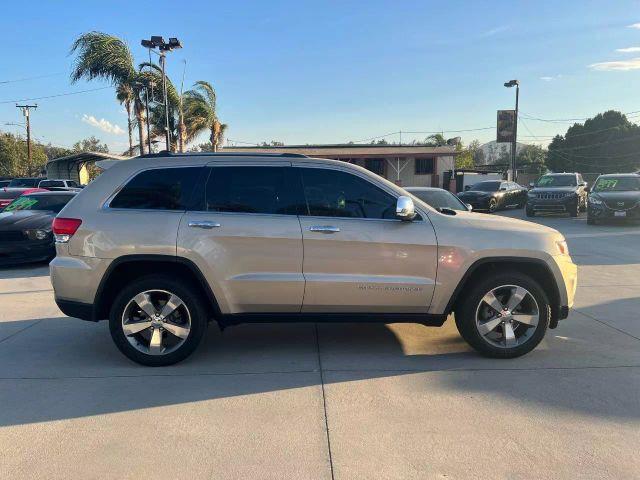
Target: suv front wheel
{"x": 157, "y": 321}
{"x": 505, "y": 316}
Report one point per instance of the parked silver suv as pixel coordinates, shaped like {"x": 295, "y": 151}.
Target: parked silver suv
{"x": 162, "y": 244}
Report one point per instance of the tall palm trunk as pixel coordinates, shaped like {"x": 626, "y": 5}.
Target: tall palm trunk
{"x": 182, "y": 135}
{"x": 127, "y": 106}
{"x": 141, "y": 118}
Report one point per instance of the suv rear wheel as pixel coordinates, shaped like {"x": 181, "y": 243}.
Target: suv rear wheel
{"x": 505, "y": 316}
{"x": 157, "y": 321}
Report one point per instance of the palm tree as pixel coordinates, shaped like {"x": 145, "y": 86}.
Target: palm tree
{"x": 124, "y": 94}
{"x": 200, "y": 113}
{"x": 104, "y": 56}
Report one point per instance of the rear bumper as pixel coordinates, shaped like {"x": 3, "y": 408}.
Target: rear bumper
{"x": 76, "y": 279}
{"x": 83, "y": 311}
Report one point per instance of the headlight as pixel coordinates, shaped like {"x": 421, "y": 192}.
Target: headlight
{"x": 38, "y": 234}
{"x": 594, "y": 200}
{"x": 563, "y": 248}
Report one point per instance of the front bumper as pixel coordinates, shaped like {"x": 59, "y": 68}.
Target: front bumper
{"x": 478, "y": 203}
{"x": 603, "y": 212}
{"x": 553, "y": 205}
{"x": 569, "y": 272}
{"x": 16, "y": 253}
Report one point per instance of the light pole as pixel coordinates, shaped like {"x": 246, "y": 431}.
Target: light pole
{"x": 514, "y": 171}
{"x": 164, "y": 47}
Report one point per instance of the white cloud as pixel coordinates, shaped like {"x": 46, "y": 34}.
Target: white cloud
{"x": 620, "y": 65}
{"x": 102, "y": 124}
{"x": 634, "y": 25}
{"x": 495, "y": 31}
{"x": 628, "y": 50}
{"x": 546, "y": 79}
{"x": 550, "y": 78}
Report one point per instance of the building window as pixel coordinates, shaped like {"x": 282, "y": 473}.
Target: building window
{"x": 424, "y": 166}
{"x": 375, "y": 165}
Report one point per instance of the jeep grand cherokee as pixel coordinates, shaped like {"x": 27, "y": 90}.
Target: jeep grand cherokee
{"x": 162, "y": 244}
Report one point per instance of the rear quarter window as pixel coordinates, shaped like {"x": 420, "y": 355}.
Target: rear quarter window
{"x": 158, "y": 189}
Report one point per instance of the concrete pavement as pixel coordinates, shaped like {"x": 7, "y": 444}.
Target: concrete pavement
{"x": 331, "y": 401}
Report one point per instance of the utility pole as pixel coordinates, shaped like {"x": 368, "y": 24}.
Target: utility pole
{"x": 25, "y": 111}
{"x": 514, "y": 140}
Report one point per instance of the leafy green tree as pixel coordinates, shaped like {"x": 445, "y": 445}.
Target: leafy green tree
{"x": 532, "y": 158}
{"x": 91, "y": 144}
{"x": 606, "y": 143}
{"x": 435, "y": 140}
{"x": 14, "y": 161}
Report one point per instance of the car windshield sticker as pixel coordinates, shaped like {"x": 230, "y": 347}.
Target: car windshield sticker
{"x": 24, "y": 203}
{"x": 607, "y": 184}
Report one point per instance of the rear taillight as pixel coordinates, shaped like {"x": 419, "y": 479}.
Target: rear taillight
{"x": 64, "y": 228}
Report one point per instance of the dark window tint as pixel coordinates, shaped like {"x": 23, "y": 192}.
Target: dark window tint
{"x": 273, "y": 190}
{"x": 375, "y": 165}
{"x": 331, "y": 193}
{"x": 158, "y": 189}
{"x": 24, "y": 182}
{"x": 71, "y": 183}
{"x": 51, "y": 183}
{"x": 440, "y": 199}
{"x": 486, "y": 186}
{"x": 424, "y": 166}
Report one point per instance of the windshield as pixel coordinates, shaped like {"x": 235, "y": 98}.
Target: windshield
{"x": 486, "y": 186}
{"x": 617, "y": 184}
{"x": 440, "y": 199}
{"x": 557, "y": 181}
{"x": 24, "y": 182}
{"x": 52, "y": 203}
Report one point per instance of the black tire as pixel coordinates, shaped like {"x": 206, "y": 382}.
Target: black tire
{"x": 465, "y": 315}
{"x": 530, "y": 212}
{"x": 574, "y": 211}
{"x": 493, "y": 205}
{"x": 190, "y": 297}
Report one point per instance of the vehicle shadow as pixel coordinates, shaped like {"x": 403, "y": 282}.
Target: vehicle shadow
{"x": 62, "y": 368}
{"x": 40, "y": 269}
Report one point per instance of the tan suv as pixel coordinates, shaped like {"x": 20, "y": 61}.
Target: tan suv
{"x": 162, "y": 244}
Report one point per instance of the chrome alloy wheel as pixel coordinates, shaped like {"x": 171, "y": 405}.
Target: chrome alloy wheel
{"x": 156, "y": 322}
{"x": 507, "y": 316}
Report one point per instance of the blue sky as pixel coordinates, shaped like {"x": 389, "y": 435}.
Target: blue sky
{"x": 330, "y": 72}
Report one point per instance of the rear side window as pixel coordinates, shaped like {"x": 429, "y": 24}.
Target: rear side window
{"x": 158, "y": 189}
{"x": 51, "y": 183}
{"x": 269, "y": 190}
{"x": 332, "y": 193}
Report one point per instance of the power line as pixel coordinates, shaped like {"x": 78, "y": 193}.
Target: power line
{"x": 16, "y": 80}
{"x": 54, "y": 96}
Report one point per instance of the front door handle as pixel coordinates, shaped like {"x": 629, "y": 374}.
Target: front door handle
{"x": 205, "y": 225}
{"x": 324, "y": 229}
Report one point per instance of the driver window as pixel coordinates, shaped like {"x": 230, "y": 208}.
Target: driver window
{"x": 332, "y": 193}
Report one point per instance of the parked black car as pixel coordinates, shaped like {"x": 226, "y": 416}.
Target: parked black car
{"x": 438, "y": 198}
{"x": 558, "y": 193}
{"x": 615, "y": 196}
{"x": 25, "y": 227}
{"x": 493, "y": 195}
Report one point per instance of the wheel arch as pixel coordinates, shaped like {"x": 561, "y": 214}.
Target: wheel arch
{"x": 536, "y": 268}
{"x": 130, "y": 267}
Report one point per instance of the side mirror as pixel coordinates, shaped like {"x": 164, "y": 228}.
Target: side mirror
{"x": 502, "y": 189}
{"x": 405, "y": 209}
{"x": 467, "y": 187}
{"x": 531, "y": 184}
{"x": 587, "y": 189}
{"x": 469, "y": 207}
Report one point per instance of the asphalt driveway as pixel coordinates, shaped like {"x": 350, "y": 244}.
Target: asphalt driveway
{"x": 331, "y": 401}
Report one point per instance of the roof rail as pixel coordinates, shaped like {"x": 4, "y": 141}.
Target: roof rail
{"x": 165, "y": 153}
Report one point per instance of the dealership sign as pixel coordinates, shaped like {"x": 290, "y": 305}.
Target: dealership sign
{"x": 506, "y": 126}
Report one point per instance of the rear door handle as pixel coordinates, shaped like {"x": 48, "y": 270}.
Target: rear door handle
{"x": 205, "y": 225}
{"x": 324, "y": 229}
